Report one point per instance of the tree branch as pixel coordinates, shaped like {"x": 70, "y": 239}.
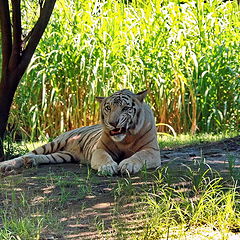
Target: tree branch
{"x": 38, "y": 30}
{"x": 6, "y": 35}
{"x": 17, "y": 34}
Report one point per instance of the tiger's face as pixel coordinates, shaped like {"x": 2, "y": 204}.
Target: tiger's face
{"x": 121, "y": 113}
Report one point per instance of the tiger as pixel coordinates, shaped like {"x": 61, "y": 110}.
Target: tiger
{"x": 124, "y": 142}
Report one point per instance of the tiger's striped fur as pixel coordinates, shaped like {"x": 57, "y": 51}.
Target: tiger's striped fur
{"x": 125, "y": 141}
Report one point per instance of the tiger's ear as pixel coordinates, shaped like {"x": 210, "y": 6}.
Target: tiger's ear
{"x": 100, "y": 99}
{"x": 141, "y": 95}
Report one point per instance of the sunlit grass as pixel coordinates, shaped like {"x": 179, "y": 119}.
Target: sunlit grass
{"x": 175, "y": 211}
{"x": 167, "y": 141}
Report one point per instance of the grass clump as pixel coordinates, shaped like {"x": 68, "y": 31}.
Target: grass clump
{"x": 19, "y": 228}
{"x": 179, "y": 211}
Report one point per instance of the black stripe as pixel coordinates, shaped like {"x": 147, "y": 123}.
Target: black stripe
{"x": 71, "y": 135}
{"x": 72, "y": 159}
{"x": 35, "y": 152}
{"x": 90, "y": 146}
{"x": 143, "y": 135}
{"x": 52, "y": 146}
{"x": 85, "y": 139}
{"x": 134, "y": 113}
{"x": 64, "y": 160}
{"x": 48, "y": 158}
{"x": 155, "y": 149}
{"x": 58, "y": 145}
{"x": 44, "y": 149}
{"x": 145, "y": 144}
{"x": 54, "y": 159}
{"x": 64, "y": 144}
{"x": 125, "y": 97}
{"x": 137, "y": 117}
{"x": 92, "y": 139}
{"x": 87, "y": 130}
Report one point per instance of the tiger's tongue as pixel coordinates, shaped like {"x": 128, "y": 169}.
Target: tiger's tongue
{"x": 116, "y": 131}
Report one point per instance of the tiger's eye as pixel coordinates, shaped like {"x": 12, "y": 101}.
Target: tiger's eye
{"x": 107, "y": 108}
{"x": 126, "y": 108}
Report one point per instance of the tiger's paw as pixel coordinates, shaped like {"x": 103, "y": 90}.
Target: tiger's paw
{"x": 9, "y": 167}
{"x": 29, "y": 161}
{"x": 108, "y": 169}
{"x": 130, "y": 165}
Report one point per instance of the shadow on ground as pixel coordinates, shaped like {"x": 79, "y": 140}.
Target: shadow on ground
{"x": 86, "y": 206}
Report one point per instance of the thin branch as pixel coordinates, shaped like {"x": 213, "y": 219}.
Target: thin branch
{"x": 26, "y": 39}
{"x": 38, "y": 30}
{"x": 17, "y": 34}
{"x": 6, "y": 34}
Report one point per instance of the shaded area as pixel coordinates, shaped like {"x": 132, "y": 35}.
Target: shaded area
{"x": 75, "y": 203}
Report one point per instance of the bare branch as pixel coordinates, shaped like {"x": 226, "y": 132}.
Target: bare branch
{"x": 17, "y": 34}
{"x": 6, "y": 34}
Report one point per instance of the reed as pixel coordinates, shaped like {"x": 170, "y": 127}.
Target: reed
{"x": 186, "y": 54}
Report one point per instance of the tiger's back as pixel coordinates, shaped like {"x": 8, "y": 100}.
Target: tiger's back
{"x": 73, "y": 146}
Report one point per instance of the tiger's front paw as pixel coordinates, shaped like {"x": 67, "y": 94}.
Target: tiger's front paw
{"x": 130, "y": 165}
{"x": 9, "y": 167}
{"x": 108, "y": 169}
{"x": 6, "y": 169}
{"x": 29, "y": 161}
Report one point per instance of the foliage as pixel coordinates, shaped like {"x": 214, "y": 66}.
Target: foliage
{"x": 187, "y": 54}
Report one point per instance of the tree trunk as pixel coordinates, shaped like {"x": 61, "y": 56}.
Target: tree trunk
{"x": 15, "y": 58}
{"x": 6, "y": 98}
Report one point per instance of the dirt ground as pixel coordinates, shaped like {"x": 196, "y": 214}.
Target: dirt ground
{"x": 97, "y": 215}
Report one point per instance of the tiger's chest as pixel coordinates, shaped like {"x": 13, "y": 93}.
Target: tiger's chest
{"x": 118, "y": 151}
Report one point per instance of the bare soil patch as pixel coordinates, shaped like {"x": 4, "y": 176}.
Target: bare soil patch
{"x": 87, "y": 206}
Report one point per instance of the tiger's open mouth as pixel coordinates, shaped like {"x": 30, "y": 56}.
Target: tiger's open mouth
{"x": 117, "y": 131}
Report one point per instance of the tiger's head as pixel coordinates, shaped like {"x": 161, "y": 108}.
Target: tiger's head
{"x": 122, "y": 113}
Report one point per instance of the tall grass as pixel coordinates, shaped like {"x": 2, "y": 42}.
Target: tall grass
{"x": 186, "y": 54}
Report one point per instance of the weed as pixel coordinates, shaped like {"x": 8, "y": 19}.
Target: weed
{"x": 233, "y": 171}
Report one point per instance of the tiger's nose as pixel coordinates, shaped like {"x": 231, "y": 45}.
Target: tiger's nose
{"x": 113, "y": 123}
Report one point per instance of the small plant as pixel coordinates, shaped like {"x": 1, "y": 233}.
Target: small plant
{"x": 99, "y": 224}
{"x": 19, "y": 228}
{"x": 198, "y": 173}
{"x": 233, "y": 171}
{"x": 124, "y": 186}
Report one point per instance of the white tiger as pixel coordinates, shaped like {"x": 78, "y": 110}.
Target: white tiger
{"x": 125, "y": 141}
